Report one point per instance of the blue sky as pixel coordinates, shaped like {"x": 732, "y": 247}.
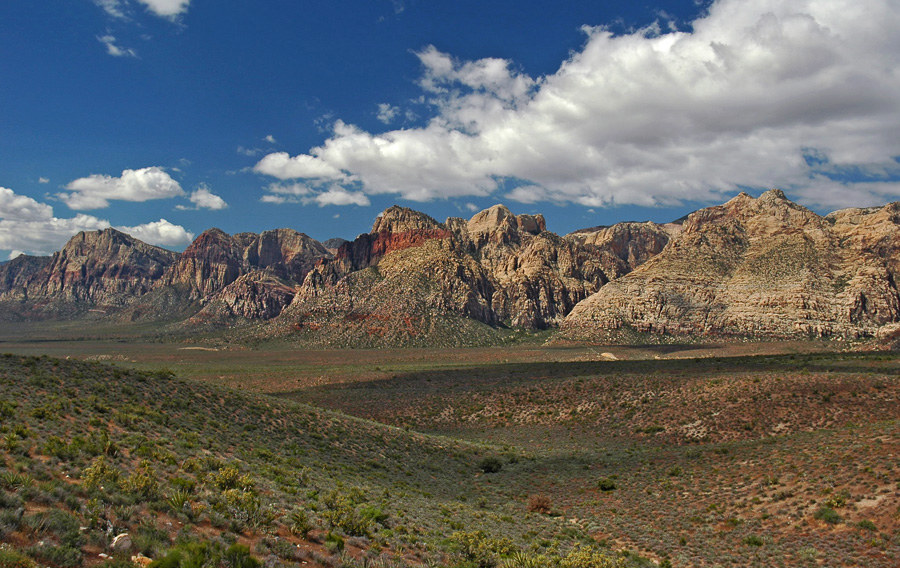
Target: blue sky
{"x": 167, "y": 117}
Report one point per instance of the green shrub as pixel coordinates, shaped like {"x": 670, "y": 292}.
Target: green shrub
{"x": 866, "y": 524}
{"x": 753, "y": 540}
{"x": 476, "y": 547}
{"x": 61, "y": 556}
{"x": 143, "y": 483}
{"x": 299, "y": 523}
{"x": 490, "y": 465}
{"x": 606, "y": 484}
{"x": 11, "y": 558}
{"x": 334, "y": 542}
{"x": 98, "y": 474}
{"x": 201, "y": 554}
{"x": 828, "y": 515}
{"x": 588, "y": 557}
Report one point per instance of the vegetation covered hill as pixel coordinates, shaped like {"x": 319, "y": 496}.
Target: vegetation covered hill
{"x": 197, "y": 474}
{"x": 786, "y": 460}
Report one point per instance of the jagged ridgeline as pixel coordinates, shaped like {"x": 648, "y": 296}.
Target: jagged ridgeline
{"x": 762, "y": 267}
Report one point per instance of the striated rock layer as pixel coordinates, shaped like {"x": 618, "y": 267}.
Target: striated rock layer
{"x": 412, "y": 280}
{"x": 101, "y": 269}
{"x": 245, "y": 275}
{"x": 763, "y": 267}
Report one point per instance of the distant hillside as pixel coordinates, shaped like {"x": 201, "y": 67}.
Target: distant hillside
{"x": 763, "y": 267}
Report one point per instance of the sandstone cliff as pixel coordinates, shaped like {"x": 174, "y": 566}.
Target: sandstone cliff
{"x": 245, "y": 275}
{"x": 762, "y": 267}
{"x": 100, "y": 270}
{"x": 629, "y": 244}
{"x": 412, "y": 278}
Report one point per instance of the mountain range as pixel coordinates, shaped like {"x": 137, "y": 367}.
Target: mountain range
{"x": 753, "y": 267}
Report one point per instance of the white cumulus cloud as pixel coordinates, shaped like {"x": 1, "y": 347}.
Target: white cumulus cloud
{"x": 282, "y": 166}
{"x": 339, "y": 196}
{"x": 167, "y": 8}
{"x": 203, "y": 198}
{"x": 759, "y": 94}
{"x": 160, "y": 233}
{"x": 95, "y": 191}
{"x": 22, "y": 207}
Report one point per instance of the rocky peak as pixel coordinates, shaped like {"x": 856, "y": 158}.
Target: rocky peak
{"x": 16, "y": 274}
{"x": 398, "y": 219}
{"x": 101, "y": 267}
{"x": 215, "y": 259}
{"x": 211, "y": 243}
{"x": 210, "y": 263}
{"x": 630, "y": 242}
{"x": 491, "y": 220}
{"x": 770, "y": 213}
{"x": 532, "y": 224}
{"x": 283, "y": 247}
{"x": 763, "y": 267}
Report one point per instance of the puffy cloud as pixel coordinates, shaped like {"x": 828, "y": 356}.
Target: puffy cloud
{"x": 270, "y": 139}
{"x": 161, "y": 233}
{"x": 43, "y": 180}
{"x": 282, "y": 166}
{"x": 111, "y": 48}
{"x": 203, "y": 198}
{"x": 167, "y": 8}
{"x": 21, "y": 207}
{"x": 340, "y": 196}
{"x": 95, "y": 191}
{"x": 652, "y": 118}
{"x": 29, "y": 226}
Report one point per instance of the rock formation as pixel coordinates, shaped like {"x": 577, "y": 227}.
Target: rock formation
{"x": 412, "y": 278}
{"x": 631, "y": 243}
{"x": 762, "y": 267}
{"x": 103, "y": 270}
{"x": 243, "y": 275}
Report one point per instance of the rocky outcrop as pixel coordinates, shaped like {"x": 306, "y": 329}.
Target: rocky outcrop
{"x": 411, "y": 274}
{"x": 629, "y": 244}
{"x": 537, "y": 276}
{"x": 763, "y": 267}
{"x": 213, "y": 261}
{"x": 235, "y": 273}
{"x": 16, "y": 274}
{"x": 110, "y": 272}
{"x": 257, "y": 295}
{"x": 104, "y": 269}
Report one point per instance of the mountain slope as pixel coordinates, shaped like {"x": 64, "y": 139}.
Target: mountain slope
{"x": 763, "y": 267}
{"x": 415, "y": 281}
{"x": 101, "y": 270}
